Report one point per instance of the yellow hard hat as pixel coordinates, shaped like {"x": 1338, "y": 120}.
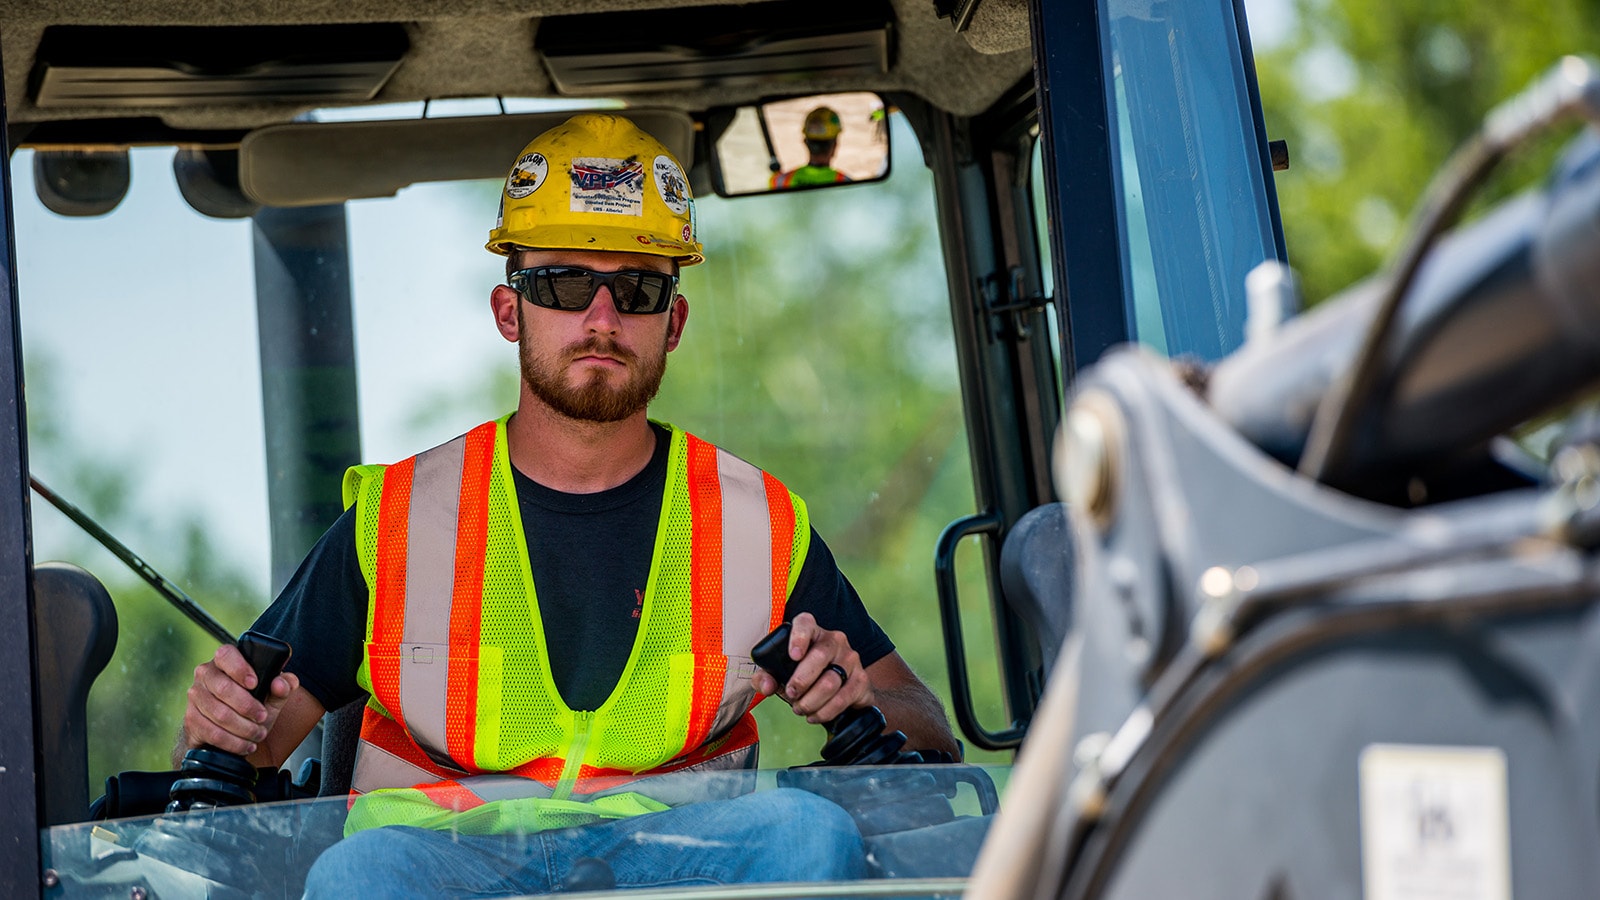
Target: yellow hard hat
{"x": 822, "y": 124}
{"x": 622, "y": 191}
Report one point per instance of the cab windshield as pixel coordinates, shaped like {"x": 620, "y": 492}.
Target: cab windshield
{"x": 819, "y": 344}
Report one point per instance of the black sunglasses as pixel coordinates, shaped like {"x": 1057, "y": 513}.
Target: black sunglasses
{"x": 571, "y": 288}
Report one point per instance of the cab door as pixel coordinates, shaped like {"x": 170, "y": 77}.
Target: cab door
{"x": 1158, "y": 175}
{"x": 19, "y": 772}
{"x": 1145, "y": 127}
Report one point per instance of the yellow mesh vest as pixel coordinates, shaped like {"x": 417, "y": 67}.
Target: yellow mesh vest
{"x": 521, "y": 716}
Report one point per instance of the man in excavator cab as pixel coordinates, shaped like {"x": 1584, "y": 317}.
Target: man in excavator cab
{"x": 552, "y": 612}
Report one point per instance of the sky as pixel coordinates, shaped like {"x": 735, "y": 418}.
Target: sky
{"x": 140, "y": 333}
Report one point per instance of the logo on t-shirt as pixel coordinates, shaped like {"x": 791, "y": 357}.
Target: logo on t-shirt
{"x": 638, "y": 602}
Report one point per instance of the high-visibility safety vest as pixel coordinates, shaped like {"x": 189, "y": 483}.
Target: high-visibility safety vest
{"x": 465, "y": 728}
{"x": 808, "y": 175}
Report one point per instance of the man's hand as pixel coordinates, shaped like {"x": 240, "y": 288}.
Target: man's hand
{"x": 828, "y": 676}
{"x": 221, "y": 713}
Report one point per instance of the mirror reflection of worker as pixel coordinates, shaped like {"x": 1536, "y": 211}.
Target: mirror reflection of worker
{"x": 821, "y": 132}
{"x": 497, "y": 715}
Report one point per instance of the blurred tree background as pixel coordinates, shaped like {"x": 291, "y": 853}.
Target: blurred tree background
{"x": 137, "y": 703}
{"x": 1374, "y": 95}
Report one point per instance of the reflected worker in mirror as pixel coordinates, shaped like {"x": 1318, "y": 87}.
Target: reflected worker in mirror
{"x": 821, "y": 132}
{"x": 557, "y": 604}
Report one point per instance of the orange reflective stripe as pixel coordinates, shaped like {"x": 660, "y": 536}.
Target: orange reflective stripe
{"x": 705, "y": 546}
{"x": 780, "y": 511}
{"x": 547, "y": 771}
{"x": 388, "y": 735}
{"x": 389, "y": 614}
{"x": 705, "y": 591}
{"x": 452, "y": 796}
{"x": 466, "y": 605}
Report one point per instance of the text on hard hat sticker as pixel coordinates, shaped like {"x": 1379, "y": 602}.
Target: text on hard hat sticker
{"x": 673, "y": 186}
{"x": 527, "y": 175}
{"x": 601, "y": 185}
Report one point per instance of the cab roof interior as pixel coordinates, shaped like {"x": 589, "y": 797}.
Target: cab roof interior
{"x": 396, "y": 51}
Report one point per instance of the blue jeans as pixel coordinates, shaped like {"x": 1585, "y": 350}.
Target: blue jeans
{"x": 768, "y": 836}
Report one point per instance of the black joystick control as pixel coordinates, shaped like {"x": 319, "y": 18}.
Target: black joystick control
{"x": 212, "y": 777}
{"x": 856, "y": 737}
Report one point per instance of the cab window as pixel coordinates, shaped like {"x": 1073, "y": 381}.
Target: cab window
{"x": 819, "y": 345}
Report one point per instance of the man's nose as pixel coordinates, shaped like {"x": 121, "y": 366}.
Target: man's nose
{"x": 602, "y": 315}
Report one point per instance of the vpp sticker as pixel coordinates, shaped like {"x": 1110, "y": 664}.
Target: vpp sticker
{"x": 673, "y": 186}
{"x": 527, "y": 175}
{"x": 608, "y": 185}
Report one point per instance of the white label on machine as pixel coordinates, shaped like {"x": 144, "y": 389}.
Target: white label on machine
{"x": 1434, "y": 823}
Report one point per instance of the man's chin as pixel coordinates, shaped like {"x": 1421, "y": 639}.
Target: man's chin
{"x": 592, "y": 403}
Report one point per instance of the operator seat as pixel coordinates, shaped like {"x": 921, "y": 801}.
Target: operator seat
{"x": 1036, "y": 575}
{"x": 75, "y": 625}
{"x": 341, "y": 731}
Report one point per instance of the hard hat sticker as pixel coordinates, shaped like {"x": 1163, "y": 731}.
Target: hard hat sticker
{"x": 527, "y": 175}
{"x": 601, "y": 185}
{"x": 673, "y": 186}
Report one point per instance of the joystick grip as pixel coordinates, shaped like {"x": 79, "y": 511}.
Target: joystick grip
{"x": 212, "y": 777}
{"x": 772, "y": 653}
{"x": 856, "y": 737}
{"x": 267, "y": 656}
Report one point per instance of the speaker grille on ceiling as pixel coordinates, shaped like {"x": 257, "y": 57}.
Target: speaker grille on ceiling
{"x": 158, "y": 66}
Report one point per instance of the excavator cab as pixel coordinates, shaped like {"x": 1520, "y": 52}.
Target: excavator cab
{"x": 981, "y": 275}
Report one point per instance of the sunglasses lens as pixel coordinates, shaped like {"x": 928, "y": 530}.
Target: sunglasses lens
{"x": 641, "y": 292}
{"x": 563, "y": 288}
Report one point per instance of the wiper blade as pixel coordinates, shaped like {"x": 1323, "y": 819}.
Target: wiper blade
{"x": 171, "y": 592}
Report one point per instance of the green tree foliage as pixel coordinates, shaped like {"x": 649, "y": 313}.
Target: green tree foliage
{"x": 137, "y": 703}
{"x": 1374, "y": 95}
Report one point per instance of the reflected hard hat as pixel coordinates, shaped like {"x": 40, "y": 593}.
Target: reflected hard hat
{"x": 822, "y": 124}
{"x": 597, "y": 182}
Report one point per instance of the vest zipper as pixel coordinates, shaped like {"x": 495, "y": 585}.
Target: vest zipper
{"x": 581, "y": 722}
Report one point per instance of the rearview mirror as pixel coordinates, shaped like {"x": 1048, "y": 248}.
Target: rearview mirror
{"x": 802, "y": 142}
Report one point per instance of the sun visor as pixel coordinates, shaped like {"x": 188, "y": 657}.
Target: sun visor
{"x": 313, "y": 163}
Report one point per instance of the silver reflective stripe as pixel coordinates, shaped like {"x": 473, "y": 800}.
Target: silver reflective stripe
{"x": 746, "y": 580}
{"x": 430, "y": 587}
{"x": 377, "y": 768}
{"x": 490, "y": 788}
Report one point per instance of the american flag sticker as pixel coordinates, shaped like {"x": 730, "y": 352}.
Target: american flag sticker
{"x": 601, "y": 185}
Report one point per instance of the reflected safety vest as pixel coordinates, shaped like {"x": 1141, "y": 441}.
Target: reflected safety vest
{"x": 808, "y": 175}
{"x": 465, "y": 729}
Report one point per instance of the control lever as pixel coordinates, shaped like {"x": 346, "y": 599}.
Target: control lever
{"x": 856, "y": 737}
{"x": 212, "y": 777}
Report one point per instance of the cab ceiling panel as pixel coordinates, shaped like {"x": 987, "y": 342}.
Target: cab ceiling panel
{"x": 712, "y": 46}
{"x": 144, "y": 67}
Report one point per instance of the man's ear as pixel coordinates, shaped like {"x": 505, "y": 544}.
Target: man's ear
{"x": 505, "y": 303}
{"x": 677, "y": 316}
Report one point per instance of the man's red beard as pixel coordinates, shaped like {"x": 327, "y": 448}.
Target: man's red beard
{"x": 596, "y": 400}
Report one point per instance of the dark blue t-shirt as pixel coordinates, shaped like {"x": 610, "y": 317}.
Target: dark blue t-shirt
{"x": 590, "y": 556}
